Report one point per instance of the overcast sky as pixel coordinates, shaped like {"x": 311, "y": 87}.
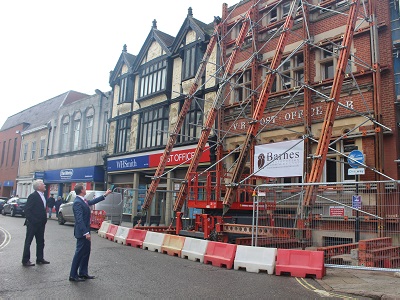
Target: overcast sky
{"x": 50, "y": 47}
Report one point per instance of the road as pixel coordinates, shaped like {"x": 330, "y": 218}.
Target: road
{"x": 125, "y": 272}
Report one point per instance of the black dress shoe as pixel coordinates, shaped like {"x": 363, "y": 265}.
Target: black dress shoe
{"x": 86, "y": 277}
{"x": 42, "y": 262}
{"x": 28, "y": 264}
{"x": 76, "y": 279}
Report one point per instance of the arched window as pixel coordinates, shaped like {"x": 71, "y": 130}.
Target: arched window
{"x": 77, "y": 128}
{"x": 64, "y": 134}
{"x": 89, "y": 128}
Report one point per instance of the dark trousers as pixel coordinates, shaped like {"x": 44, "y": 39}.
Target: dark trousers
{"x": 37, "y": 231}
{"x": 80, "y": 261}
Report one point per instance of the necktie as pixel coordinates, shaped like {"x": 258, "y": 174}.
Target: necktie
{"x": 86, "y": 202}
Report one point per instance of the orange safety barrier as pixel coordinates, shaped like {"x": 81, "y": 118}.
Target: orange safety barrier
{"x": 112, "y": 230}
{"x": 135, "y": 237}
{"x": 172, "y": 245}
{"x": 96, "y": 218}
{"x": 220, "y": 254}
{"x": 300, "y": 263}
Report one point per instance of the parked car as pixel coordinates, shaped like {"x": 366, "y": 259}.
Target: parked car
{"x": 3, "y": 201}
{"x": 15, "y": 206}
{"x": 112, "y": 205}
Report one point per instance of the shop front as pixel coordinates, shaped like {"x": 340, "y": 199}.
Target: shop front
{"x": 61, "y": 182}
{"x": 131, "y": 175}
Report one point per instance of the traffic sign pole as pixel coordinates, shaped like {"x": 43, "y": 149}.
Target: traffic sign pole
{"x": 357, "y": 225}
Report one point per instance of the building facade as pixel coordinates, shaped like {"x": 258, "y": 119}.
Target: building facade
{"x": 64, "y": 144}
{"x": 149, "y": 91}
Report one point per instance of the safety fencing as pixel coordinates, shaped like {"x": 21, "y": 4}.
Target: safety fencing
{"x": 353, "y": 223}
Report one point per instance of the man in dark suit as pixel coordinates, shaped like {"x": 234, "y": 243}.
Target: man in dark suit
{"x": 81, "y": 208}
{"x": 36, "y": 219}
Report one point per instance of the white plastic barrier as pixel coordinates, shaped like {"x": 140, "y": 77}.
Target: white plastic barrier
{"x": 194, "y": 249}
{"x": 255, "y": 259}
{"x": 153, "y": 241}
{"x": 103, "y": 229}
{"x": 120, "y": 236}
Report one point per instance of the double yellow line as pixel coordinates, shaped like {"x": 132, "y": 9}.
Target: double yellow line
{"x": 323, "y": 293}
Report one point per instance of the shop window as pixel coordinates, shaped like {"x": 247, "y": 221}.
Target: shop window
{"x": 336, "y": 166}
{"x": 154, "y": 127}
{"x": 123, "y": 135}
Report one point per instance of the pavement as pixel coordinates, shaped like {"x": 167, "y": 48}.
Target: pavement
{"x": 366, "y": 283}
{"x": 373, "y": 284}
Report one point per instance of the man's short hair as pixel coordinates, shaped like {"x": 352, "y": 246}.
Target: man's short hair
{"x": 36, "y": 184}
{"x": 78, "y": 188}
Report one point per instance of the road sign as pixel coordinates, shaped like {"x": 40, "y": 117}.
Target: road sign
{"x": 356, "y": 171}
{"x": 356, "y": 203}
{"x": 356, "y": 157}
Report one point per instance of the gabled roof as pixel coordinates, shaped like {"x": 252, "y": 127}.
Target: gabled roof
{"x": 41, "y": 113}
{"x": 124, "y": 59}
{"x": 203, "y": 31}
{"x": 165, "y": 40}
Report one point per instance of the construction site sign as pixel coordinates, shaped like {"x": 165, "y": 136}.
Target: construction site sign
{"x": 283, "y": 159}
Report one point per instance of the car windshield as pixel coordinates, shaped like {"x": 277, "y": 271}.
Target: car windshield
{"x": 22, "y": 200}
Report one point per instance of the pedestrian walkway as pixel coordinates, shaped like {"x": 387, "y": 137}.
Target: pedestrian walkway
{"x": 367, "y": 283}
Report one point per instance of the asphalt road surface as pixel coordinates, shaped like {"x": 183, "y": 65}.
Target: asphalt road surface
{"x": 124, "y": 272}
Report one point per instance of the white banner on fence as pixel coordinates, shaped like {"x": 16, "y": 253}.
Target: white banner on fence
{"x": 283, "y": 159}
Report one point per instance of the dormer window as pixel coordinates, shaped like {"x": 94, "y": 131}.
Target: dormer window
{"x": 153, "y": 78}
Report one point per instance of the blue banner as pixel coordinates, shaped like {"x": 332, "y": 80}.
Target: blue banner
{"x": 85, "y": 174}
{"x": 128, "y": 163}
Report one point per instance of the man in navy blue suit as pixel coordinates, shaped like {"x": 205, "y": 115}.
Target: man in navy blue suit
{"x": 81, "y": 208}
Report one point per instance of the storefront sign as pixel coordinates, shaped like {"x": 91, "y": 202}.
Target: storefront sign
{"x": 84, "y": 174}
{"x": 283, "y": 159}
{"x": 179, "y": 157}
{"x": 152, "y": 159}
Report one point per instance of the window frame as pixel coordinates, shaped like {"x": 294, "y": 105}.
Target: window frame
{"x": 153, "y": 78}
{"x": 241, "y": 87}
{"x": 123, "y": 134}
{"x": 33, "y": 150}
{"x": 42, "y": 148}
{"x": 154, "y": 127}
{"x": 25, "y": 152}
{"x": 191, "y": 61}
{"x": 191, "y": 127}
